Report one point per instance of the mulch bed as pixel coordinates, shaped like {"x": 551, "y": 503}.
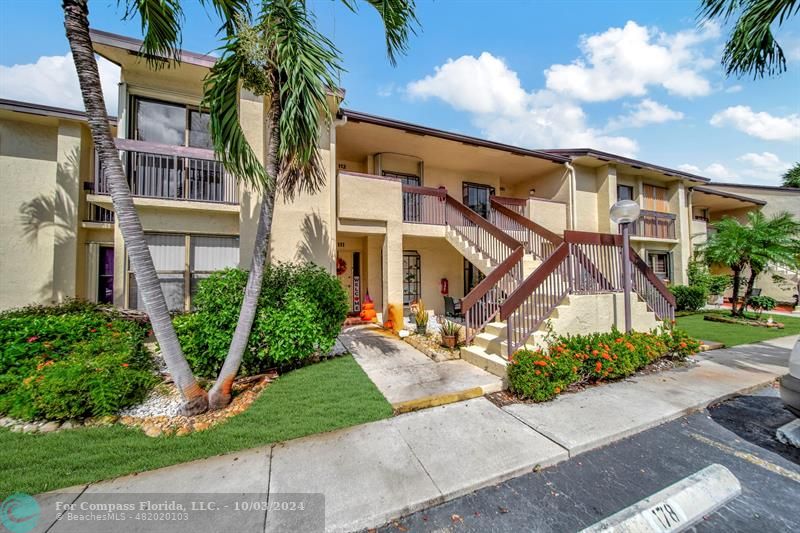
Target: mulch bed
{"x": 742, "y": 321}
{"x": 506, "y": 397}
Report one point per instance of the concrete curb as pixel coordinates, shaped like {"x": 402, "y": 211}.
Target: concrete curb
{"x": 436, "y": 400}
{"x": 678, "y": 506}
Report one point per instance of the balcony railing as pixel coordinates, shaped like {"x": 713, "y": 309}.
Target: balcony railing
{"x": 423, "y": 205}
{"x": 171, "y": 172}
{"x": 654, "y": 225}
{"x": 95, "y": 213}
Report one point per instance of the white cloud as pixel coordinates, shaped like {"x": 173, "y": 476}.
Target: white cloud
{"x": 481, "y": 84}
{"x": 492, "y": 93}
{"x": 645, "y": 112}
{"x": 626, "y": 61}
{"x": 763, "y": 168}
{"x": 734, "y": 89}
{"x": 716, "y": 171}
{"x": 764, "y": 163}
{"x": 386, "y": 90}
{"x": 52, "y": 80}
{"x": 759, "y": 124}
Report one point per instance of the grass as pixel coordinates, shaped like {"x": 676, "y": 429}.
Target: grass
{"x": 322, "y": 397}
{"x": 735, "y": 334}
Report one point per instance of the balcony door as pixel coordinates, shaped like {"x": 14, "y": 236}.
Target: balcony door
{"x": 478, "y": 197}
{"x": 164, "y": 176}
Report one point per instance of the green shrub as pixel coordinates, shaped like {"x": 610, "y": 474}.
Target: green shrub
{"x": 542, "y": 374}
{"x": 300, "y": 313}
{"x": 70, "y": 361}
{"x": 689, "y": 297}
{"x": 759, "y": 304}
{"x": 718, "y": 283}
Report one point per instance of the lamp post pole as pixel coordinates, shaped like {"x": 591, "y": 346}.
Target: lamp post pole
{"x": 624, "y": 213}
{"x": 626, "y": 273}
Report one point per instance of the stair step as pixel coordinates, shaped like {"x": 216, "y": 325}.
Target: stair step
{"x": 489, "y": 362}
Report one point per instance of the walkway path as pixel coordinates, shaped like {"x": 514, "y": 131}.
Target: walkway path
{"x": 372, "y": 473}
{"x": 409, "y": 379}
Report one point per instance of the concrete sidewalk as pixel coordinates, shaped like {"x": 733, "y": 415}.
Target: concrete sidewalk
{"x": 372, "y": 473}
{"x": 409, "y": 379}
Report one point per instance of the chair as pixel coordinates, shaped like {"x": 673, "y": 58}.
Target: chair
{"x": 452, "y": 309}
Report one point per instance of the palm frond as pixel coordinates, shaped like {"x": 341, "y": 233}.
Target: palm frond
{"x": 751, "y": 47}
{"x": 229, "y": 11}
{"x": 399, "y": 20}
{"x": 305, "y": 63}
{"x": 161, "y": 29}
{"x": 221, "y": 97}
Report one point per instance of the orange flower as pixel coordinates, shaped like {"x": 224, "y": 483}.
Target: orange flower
{"x": 683, "y": 345}
{"x": 557, "y": 390}
{"x": 606, "y": 357}
{"x": 125, "y": 365}
{"x": 538, "y": 372}
{"x": 595, "y": 352}
{"x": 598, "y": 367}
{"x": 619, "y": 340}
{"x": 574, "y": 368}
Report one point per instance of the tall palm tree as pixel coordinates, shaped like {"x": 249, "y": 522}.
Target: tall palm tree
{"x": 751, "y": 47}
{"x": 755, "y": 245}
{"x": 161, "y": 27}
{"x": 283, "y": 57}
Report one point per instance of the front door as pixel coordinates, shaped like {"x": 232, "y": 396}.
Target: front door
{"x": 478, "y": 197}
{"x": 348, "y": 267}
{"x": 105, "y": 275}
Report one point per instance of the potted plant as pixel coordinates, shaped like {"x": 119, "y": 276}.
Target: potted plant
{"x": 421, "y": 318}
{"x": 450, "y": 332}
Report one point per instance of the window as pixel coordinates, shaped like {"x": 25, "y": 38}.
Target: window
{"x": 105, "y": 275}
{"x": 472, "y": 276}
{"x": 661, "y": 263}
{"x": 412, "y": 209}
{"x": 655, "y": 199}
{"x": 412, "y": 277}
{"x": 169, "y": 123}
{"x": 624, "y": 192}
{"x": 178, "y": 279}
{"x": 478, "y": 197}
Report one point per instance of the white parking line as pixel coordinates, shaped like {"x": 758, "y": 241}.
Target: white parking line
{"x": 678, "y": 506}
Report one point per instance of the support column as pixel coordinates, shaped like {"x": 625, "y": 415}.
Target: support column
{"x": 374, "y": 254}
{"x": 392, "y": 261}
{"x": 683, "y": 250}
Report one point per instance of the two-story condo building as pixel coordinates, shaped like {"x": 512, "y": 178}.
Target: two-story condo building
{"x": 407, "y": 213}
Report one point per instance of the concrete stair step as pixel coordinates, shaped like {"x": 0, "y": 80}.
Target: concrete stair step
{"x": 492, "y": 363}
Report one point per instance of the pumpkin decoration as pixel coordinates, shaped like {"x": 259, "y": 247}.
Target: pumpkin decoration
{"x": 368, "y": 313}
{"x": 341, "y": 266}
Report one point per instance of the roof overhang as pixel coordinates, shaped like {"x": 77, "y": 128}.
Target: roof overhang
{"x": 416, "y": 129}
{"x": 605, "y": 157}
{"x": 46, "y": 110}
{"x": 717, "y": 201}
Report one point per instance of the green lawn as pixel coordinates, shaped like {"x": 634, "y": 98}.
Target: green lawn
{"x": 735, "y": 334}
{"x": 321, "y": 397}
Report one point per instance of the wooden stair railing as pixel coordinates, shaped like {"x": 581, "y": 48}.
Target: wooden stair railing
{"x": 482, "y": 304}
{"x": 585, "y": 263}
{"x": 538, "y": 240}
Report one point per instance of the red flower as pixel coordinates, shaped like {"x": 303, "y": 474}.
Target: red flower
{"x": 33, "y": 339}
{"x": 595, "y": 352}
{"x": 598, "y": 367}
{"x": 557, "y": 390}
{"x": 125, "y": 365}
{"x": 619, "y": 340}
{"x": 93, "y": 330}
{"x": 538, "y": 372}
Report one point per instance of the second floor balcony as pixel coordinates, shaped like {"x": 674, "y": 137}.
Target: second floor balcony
{"x": 171, "y": 172}
{"x": 654, "y": 225}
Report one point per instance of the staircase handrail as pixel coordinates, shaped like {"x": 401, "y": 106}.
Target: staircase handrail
{"x": 484, "y": 224}
{"x": 526, "y": 222}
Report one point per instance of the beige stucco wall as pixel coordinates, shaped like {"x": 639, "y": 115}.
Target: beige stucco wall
{"x": 586, "y": 218}
{"x": 550, "y": 214}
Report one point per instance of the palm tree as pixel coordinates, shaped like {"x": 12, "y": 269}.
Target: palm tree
{"x": 283, "y": 57}
{"x": 755, "y": 245}
{"x": 161, "y": 28}
{"x": 751, "y": 47}
{"x": 791, "y": 178}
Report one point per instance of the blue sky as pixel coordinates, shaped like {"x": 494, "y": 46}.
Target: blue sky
{"x": 632, "y": 77}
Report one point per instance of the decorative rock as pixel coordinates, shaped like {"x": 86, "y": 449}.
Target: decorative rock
{"x": 48, "y": 427}
{"x": 70, "y": 424}
{"x": 151, "y": 430}
{"x": 17, "y": 428}
{"x": 182, "y": 431}
{"x": 30, "y": 428}
{"x": 201, "y": 426}
{"x": 6, "y": 422}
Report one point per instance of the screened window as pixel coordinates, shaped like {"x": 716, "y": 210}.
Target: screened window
{"x": 660, "y": 262}
{"x": 411, "y": 202}
{"x": 412, "y": 277}
{"x": 624, "y": 192}
{"x": 655, "y": 199}
{"x": 178, "y": 278}
{"x": 160, "y": 122}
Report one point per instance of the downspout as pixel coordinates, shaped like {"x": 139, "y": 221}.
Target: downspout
{"x": 572, "y": 186}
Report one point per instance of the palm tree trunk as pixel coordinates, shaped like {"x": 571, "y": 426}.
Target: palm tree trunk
{"x": 751, "y": 281}
{"x": 220, "y": 394}
{"x": 76, "y": 23}
{"x": 737, "y": 274}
